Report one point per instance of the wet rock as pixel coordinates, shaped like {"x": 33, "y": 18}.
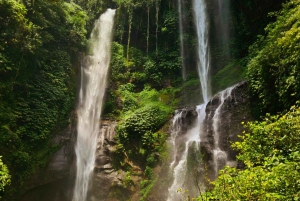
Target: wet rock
{"x": 235, "y": 109}
{"x": 54, "y": 182}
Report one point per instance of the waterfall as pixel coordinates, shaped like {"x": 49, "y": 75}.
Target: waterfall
{"x": 180, "y": 13}
{"x": 186, "y": 171}
{"x": 94, "y": 72}
{"x": 175, "y": 131}
{"x": 203, "y": 63}
{"x": 182, "y": 177}
{"x": 219, "y": 155}
{"x": 222, "y": 25}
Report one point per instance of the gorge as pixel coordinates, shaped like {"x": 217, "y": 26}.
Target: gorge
{"x": 169, "y": 104}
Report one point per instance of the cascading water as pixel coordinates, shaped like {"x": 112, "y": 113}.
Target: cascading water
{"x": 94, "y": 72}
{"x": 203, "y": 58}
{"x": 182, "y": 177}
{"x": 222, "y": 25}
{"x": 184, "y": 172}
{"x": 175, "y": 130}
{"x": 180, "y": 10}
{"x": 219, "y": 156}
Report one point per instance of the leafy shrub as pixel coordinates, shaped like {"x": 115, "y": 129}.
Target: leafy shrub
{"x": 143, "y": 115}
{"x": 146, "y": 119}
{"x": 271, "y": 153}
{"x": 4, "y": 176}
{"x": 280, "y": 182}
{"x": 275, "y": 136}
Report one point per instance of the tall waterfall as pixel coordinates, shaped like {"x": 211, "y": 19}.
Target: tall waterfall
{"x": 219, "y": 155}
{"x": 94, "y": 72}
{"x": 180, "y": 13}
{"x": 188, "y": 168}
{"x": 203, "y": 58}
{"x": 222, "y": 25}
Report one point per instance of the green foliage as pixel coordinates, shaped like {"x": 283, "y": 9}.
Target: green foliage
{"x": 273, "y": 72}
{"x": 76, "y": 20}
{"x": 140, "y": 139}
{"x": 146, "y": 186}
{"x": 92, "y": 8}
{"x": 141, "y": 70}
{"x": 190, "y": 92}
{"x": 271, "y": 153}
{"x": 4, "y": 176}
{"x": 167, "y": 68}
{"x": 154, "y": 57}
{"x": 123, "y": 70}
{"x": 280, "y": 182}
{"x": 143, "y": 115}
{"x": 38, "y": 44}
{"x": 148, "y": 118}
{"x": 128, "y": 180}
{"x": 275, "y": 136}
{"x": 118, "y": 70}
{"x": 148, "y": 183}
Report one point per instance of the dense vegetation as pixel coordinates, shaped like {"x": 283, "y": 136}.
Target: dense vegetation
{"x": 270, "y": 152}
{"x": 40, "y": 42}
{"x": 273, "y": 71}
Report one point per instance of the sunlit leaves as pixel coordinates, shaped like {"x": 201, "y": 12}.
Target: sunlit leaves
{"x": 271, "y": 153}
{"x": 281, "y": 182}
{"x": 272, "y": 137}
{"x": 4, "y": 176}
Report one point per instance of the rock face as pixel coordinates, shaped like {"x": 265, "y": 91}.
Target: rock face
{"x": 234, "y": 110}
{"x": 56, "y": 182}
{"x": 222, "y": 125}
{"x": 216, "y": 152}
{"x": 105, "y": 176}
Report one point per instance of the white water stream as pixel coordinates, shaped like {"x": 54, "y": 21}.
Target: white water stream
{"x": 94, "y": 72}
{"x": 219, "y": 156}
{"x": 180, "y": 12}
{"x": 175, "y": 131}
{"x": 192, "y": 138}
{"x": 223, "y": 19}
{"x": 182, "y": 178}
{"x": 192, "y": 141}
{"x": 203, "y": 58}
